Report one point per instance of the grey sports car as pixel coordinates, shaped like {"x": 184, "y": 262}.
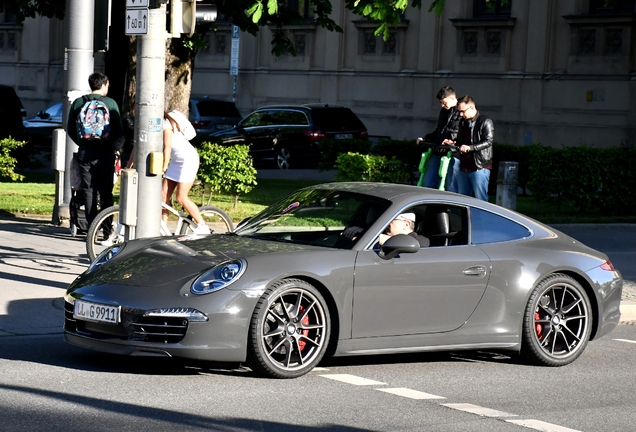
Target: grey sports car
{"x": 307, "y": 277}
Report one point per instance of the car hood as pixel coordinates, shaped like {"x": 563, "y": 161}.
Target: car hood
{"x": 164, "y": 261}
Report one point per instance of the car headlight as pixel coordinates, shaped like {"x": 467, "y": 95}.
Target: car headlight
{"x": 219, "y": 277}
{"x": 105, "y": 256}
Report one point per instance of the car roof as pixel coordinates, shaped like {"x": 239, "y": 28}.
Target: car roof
{"x": 302, "y": 107}
{"x": 402, "y": 194}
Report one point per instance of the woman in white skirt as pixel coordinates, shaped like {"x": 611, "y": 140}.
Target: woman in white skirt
{"x": 180, "y": 165}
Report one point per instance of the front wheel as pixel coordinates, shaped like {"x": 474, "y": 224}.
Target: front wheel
{"x": 557, "y": 322}
{"x": 107, "y": 223}
{"x": 289, "y": 331}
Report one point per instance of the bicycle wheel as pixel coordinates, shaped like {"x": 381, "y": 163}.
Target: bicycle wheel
{"x": 216, "y": 219}
{"x": 106, "y": 223}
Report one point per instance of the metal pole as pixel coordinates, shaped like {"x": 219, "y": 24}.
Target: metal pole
{"x": 78, "y": 65}
{"x": 149, "y": 108}
{"x": 507, "y": 180}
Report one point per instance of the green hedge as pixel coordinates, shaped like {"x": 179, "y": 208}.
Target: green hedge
{"x": 590, "y": 179}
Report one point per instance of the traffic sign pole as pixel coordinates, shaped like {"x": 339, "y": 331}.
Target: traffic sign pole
{"x": 149, "y": 108}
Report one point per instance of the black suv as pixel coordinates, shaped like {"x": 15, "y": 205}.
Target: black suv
{"x": 11, "y": 113}
{"x": 210, "y": 115}
{"x": 289, "y": 133}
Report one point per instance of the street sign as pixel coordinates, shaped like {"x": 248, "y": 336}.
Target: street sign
{"x": 234, "y": 53}
{"x": 135, "y": 4}
{"x": 136, "y": 22}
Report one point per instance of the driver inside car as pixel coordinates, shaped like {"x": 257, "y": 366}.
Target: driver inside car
{"x": 403, "y": 224}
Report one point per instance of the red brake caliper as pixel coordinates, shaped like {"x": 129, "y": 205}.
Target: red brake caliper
{"x": 304, "y": 321}
{"x": 538, "y": 327}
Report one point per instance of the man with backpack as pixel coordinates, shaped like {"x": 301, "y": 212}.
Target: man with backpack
{"x": 94, "y": 124}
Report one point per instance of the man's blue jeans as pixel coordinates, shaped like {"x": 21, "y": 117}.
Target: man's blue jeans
{"x": 431, "y": 178}
{"x": 477, "y": 182}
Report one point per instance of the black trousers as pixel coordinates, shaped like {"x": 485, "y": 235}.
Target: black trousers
{"x": 98, "y": 169}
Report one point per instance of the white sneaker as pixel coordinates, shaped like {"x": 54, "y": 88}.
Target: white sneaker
{"x": 108, "y": 242}
{"x": 114, "y": 239}
{"x": 202, "y": 229}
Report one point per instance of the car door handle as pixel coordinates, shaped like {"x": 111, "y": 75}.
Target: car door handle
{"x": 475, "y": 271}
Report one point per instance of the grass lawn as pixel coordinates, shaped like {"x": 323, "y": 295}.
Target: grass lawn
{"x": 36, "y": 195}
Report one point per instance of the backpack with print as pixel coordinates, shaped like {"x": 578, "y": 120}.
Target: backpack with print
{"x": 93, "y": 120}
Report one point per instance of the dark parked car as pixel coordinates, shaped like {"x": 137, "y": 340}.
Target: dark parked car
{"x": 210, "y": 115}
{"x": 40, "y": 129}
{"x": 307, "y": 277}
{"x": 287, "y": 134}
{"x": 11, "y": 113}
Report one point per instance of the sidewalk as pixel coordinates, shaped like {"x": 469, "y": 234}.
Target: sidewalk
{"x": 39, "y": 260}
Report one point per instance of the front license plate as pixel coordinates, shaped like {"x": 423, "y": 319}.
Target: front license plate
{"x": 343, "y": 136}
{"x": 96, "y": 312}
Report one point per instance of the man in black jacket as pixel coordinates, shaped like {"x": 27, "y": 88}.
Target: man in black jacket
{"x": 447, "y": 127}
{"x": 474, "y": 139}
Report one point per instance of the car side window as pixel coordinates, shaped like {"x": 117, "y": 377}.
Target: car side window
{"x": 252, "y": 120}
{"x": 442, "y": 224}
{"x": 488, "y": 227}
{"x": 297, "y": 118}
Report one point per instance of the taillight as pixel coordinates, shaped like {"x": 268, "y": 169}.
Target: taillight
{"x": 313, "y": 135}
{"x": 200, "y": 124}
{"x": 364, "y": 133}
{"x": 607, "y": 265}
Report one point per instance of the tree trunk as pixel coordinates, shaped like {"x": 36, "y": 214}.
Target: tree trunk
{"x": 179, "y": 66}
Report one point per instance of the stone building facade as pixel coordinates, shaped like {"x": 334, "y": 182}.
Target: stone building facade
{"x": 547, "y": 71}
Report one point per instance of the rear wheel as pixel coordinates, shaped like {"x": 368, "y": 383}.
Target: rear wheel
{"x": 557, "y": 322}
{"x": 283, "y": 157}
{"x": 104, "y": 231}
{"x": 289, "y": 331}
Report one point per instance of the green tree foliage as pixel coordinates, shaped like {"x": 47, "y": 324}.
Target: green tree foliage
{"x": 7, "y": 161}
{"x": 250, "y": 14}
{"x": 226, "y": 169}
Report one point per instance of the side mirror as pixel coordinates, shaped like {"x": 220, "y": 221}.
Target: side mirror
{"x": 398, "y": 244}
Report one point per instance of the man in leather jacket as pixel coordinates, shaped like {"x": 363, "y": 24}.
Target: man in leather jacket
{"x": 447, "y": 127}
{"x": 474, "y": 139}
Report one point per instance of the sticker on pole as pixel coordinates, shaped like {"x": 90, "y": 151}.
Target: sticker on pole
{"x": 154, "y": 125}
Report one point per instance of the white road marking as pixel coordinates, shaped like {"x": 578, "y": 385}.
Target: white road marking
{"x": 625, "y": 340}
{"x": 541, "y": 426}
{"x": 320, "y": 369}
{"x": 412, "y": 394}
{"x": 475, "y": 409}
{"x": 352, "y": 379}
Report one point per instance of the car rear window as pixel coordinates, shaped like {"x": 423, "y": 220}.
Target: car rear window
{"x": 336, "y": 119}
{"x": 217, "y": 109}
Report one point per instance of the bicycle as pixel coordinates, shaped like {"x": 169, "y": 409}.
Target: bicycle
{"x": 215, "y": 218}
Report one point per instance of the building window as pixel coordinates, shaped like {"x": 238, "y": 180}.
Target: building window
{"x": 216, "y": 43}
{"x": 301, "y": 7}
{"x": 491, "y": 8}
{"x": 612, "y": 6}
{"x": 470, "y": 43}
{"x": 613, "y": 41}
{"x": 587, "y": 41}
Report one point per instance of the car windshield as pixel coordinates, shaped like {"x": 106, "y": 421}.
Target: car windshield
{"x": 315, "y": 216}
{"x": 336, "y": 119}
{"x": 217, "y": 109}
